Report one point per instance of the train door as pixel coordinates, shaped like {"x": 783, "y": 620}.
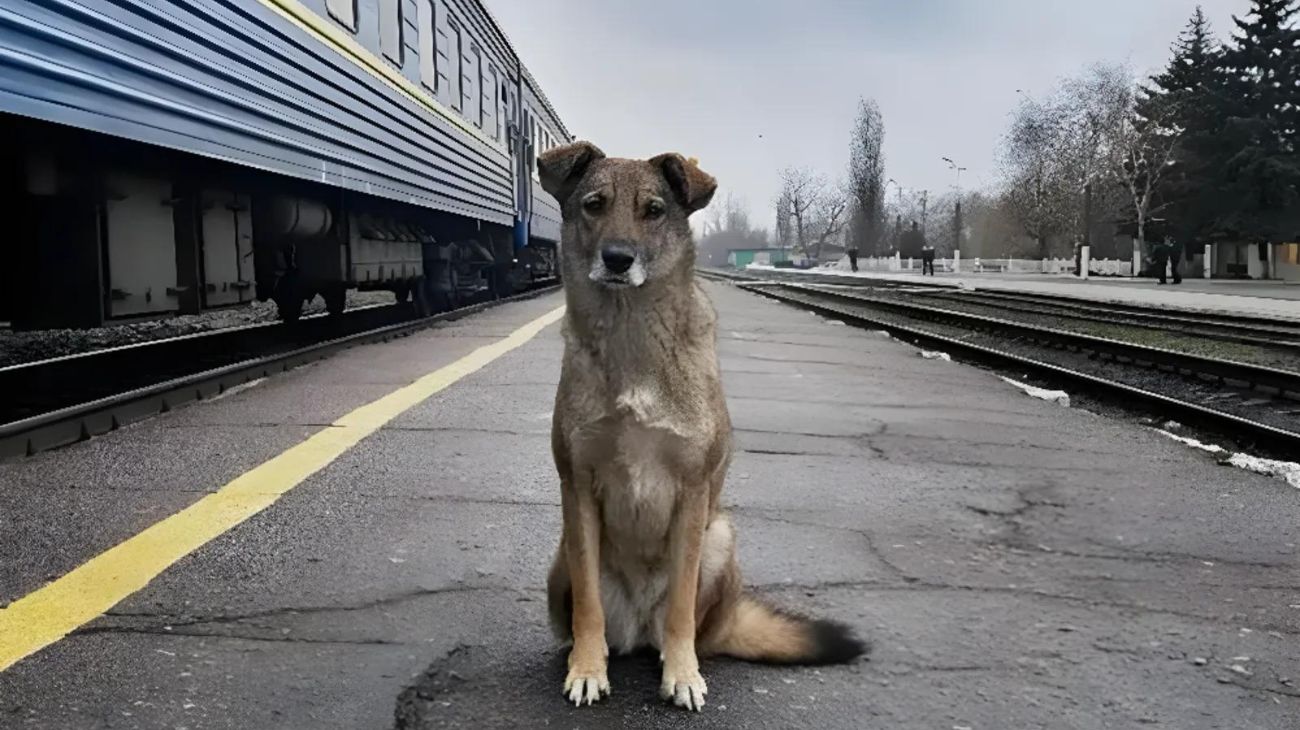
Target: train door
{"x": 141, "y": 242}
{"x": 227, "y": 248}
{"x": 523, "y": 170}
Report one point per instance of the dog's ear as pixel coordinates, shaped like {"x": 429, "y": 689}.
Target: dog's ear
{"x": 562, "y": 167}
{"x": 692, "y": 186}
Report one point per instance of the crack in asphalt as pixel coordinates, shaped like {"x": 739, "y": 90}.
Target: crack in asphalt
{"x": 1158, "y": 558}
{"x": 924, "y": 585}
{"x": 457, "y": 429}
{"x": 458, "y": 499}
{"x": 182, "y": 620}
{"x": 1158, "y": 555}
{"x": 282, "y": 639}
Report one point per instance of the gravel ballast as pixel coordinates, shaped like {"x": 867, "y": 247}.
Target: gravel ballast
{"x": 29, "y": 346}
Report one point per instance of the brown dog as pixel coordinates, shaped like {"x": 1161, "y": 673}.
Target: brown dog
{"x": 642, "y": 440}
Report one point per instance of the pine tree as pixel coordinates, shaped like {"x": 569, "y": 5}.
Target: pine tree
{"x": 1187, "y": 97}
{"x": 1259, "y": 104}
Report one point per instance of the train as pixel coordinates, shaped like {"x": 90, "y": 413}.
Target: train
{"x": 173, "y": 156}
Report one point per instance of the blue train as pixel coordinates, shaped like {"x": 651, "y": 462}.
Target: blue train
{"x": 177, "y": 155}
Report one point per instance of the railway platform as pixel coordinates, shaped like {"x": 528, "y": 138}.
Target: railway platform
{"x": 363, "y": 542}
{"x": 1265, "y": 299}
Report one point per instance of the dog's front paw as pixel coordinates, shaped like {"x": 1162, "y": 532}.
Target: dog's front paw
{"x": 684, "y": 686}
{"x": 587, "y": 681}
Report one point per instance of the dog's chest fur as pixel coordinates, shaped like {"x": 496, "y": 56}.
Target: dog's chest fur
{"x": 640, "y": 406}
{"x": 638, "y": 410}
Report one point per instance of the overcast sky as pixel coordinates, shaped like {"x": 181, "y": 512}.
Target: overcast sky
{"x": 749, "y": 86}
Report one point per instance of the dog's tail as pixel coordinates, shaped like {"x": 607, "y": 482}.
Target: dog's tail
{"x": 760, "y": 633}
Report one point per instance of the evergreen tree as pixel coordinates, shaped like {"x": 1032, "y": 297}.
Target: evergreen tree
{"x": 1187, "y": 97}
{"x": 1259, "y": 106}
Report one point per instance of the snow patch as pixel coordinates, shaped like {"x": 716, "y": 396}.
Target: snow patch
{"x": 1056, "y": 396}
{"x": 1208, "y": 448}
{"x": 934, "y": 355}
{"x": 237, "y": 389}
{"x": 835, "y": 322}
{"x": 1287, "y": 471}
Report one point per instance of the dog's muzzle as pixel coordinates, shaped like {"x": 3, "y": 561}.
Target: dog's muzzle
{"x": 618, "y": 266}
{"x": 617, "y": 257}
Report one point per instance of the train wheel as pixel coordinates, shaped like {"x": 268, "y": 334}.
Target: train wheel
{"x": 336, "y": 299}
{"x": 502, "y": 285}
{"x": 288, "y": 299}
{"x": 421, "y": 300}
{"x": 450, "y": 299}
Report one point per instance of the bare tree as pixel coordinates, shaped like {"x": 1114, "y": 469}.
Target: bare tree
{"x": 801, "y": 191}
{"x": 1058, "y": 149}
{"x": 827, "y": 217}
{"x": 1031, "y": 170}
{"x": 727, "y": 227}
{"x": 1141, "y": 143}
{"x": 867, "y": 178}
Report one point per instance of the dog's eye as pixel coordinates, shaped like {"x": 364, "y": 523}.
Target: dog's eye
{"x": 593, "y": 203}
{"x": 654, "y": 209}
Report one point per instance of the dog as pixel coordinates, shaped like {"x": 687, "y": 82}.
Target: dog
{"x": 641, "y": 439}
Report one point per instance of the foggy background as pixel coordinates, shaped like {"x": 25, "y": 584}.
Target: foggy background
{"x": 752, "y": 87}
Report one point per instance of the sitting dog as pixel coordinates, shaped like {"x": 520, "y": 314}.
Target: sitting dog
{"x": 642, "y": 440}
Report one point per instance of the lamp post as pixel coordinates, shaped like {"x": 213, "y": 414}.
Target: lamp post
{"x": 898, "y": 214}
{"x": 956, "y": 233}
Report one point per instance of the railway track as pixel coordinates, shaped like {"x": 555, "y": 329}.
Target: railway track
{"x": 1257, "y": 407}
{"x": 1245, "y": 329}
{"x": 58, "y": 401}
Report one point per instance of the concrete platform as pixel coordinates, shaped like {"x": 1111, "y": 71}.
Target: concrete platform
{"x": 1016, "y": 564}
{"x": 1269, "y": 299}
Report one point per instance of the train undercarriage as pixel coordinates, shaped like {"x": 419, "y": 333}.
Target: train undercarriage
{"x": 110, "y": 230}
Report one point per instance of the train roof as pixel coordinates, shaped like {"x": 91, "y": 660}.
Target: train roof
{"x": 541, "y": 96}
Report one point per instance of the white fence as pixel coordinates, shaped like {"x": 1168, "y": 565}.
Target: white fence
{"x": 1096, "y": 267}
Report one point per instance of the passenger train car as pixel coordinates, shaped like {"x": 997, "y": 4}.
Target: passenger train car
{"x": 175, "y": 155}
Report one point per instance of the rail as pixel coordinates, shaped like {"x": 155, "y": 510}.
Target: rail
{"x": 55, "y": 402}
{"x": 1262, "y": 435}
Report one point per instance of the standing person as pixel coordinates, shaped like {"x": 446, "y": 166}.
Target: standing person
{"x": 1160, "y": 259}
{"x": 927, "y": 258}
{"x": 1174, "y": 251}
{"x": 853, "y": 257}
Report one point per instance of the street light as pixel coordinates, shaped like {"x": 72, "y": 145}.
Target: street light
{"x": 956, "y": 236}
{"x": 953, "y": 166}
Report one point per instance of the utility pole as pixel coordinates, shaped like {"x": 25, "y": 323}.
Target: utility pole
{"x": 956, "y": 238}
{"x": 1085, "y": 242}
{"x": 898, "y": 215}
{"x": 925, "y": 196}
{"x": 956, "y": 232}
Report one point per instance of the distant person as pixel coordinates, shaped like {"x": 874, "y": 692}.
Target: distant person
{"x": 913, "y": 244}
{"x": 927, "y": 258}
{"x": 853, "y": 257}
{"x": 1167, "y": 255}
{"x": 1175, "y": 254}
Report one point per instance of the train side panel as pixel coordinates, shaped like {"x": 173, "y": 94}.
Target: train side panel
{"x": 407, "y": 103}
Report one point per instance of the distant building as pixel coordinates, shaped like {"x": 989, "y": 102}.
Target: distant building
{"x": 739, "y": 258}
{"x": 1257, "y": 261}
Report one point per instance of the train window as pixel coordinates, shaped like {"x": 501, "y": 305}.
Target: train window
{"x": 469, "y": 93}
{"x": 442, "y": 64}
{"x": 344, "y": 11}
{"x": 492, "y": 104}
{"x": 428, "y": 55}
{"x": 458, "y": 54}
{"x": 390, "y": 29}
{"x": 480, "y": 108}
{"x": 532, "y": 138}
{"x": 484, "y": 94}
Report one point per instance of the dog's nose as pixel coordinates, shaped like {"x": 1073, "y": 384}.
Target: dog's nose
{"x": 618, "y": 257}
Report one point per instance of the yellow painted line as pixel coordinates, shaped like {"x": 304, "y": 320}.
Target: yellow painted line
{"x": 51, "y": 612}
{"x": 324, "y": 30}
